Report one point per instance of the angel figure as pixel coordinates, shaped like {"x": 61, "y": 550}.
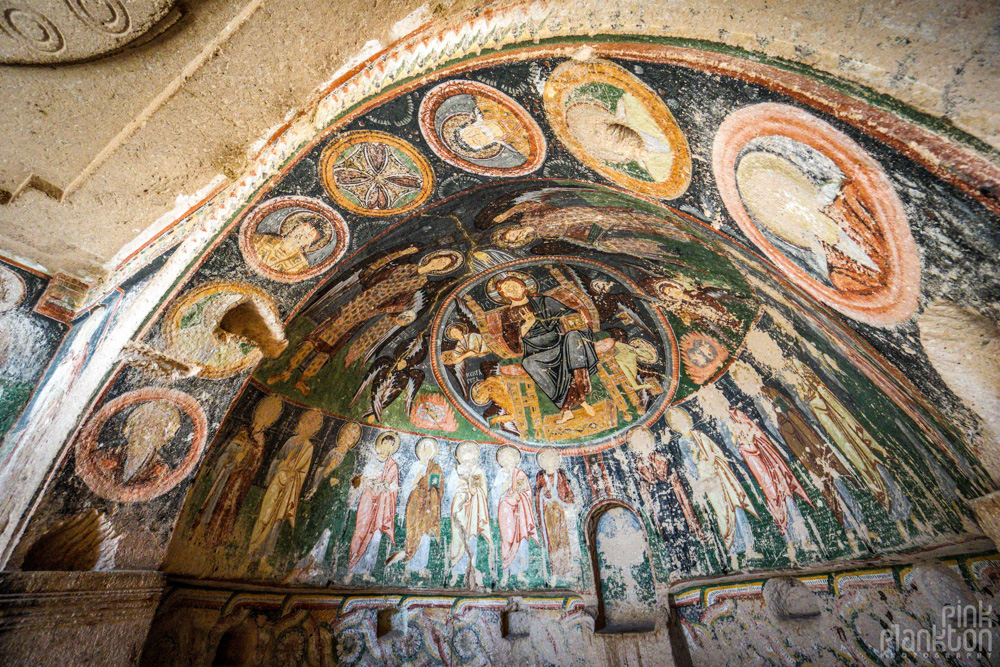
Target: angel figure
{"x": 390, "y": 286}
{"x": 613, "y": 229}
{"x": 391, "y": 376}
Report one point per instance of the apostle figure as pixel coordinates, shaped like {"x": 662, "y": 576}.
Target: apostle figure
{"x": 653, "y": 469}
{"x": 556, "y": 513}
{"x": 234, "y": 473}
{"x": 775, "y": 478}
{"x": 826, "y": 468}
{"x": 327, "y": 498}
{"x": 284, "y": 483}
{"x": 560, "y": 362}
{"x": 715, "y": 480}
{"x": 422, "y": 490}
{"x": 378, "y": 488}
{"x": 517, "y": 523}
{"x": 348, "y": 437}
{"x": 469, "y": 512}
{"x": 854, "y": 441}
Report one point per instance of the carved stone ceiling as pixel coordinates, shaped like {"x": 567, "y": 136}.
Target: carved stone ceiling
{"x": 98, "y": 152}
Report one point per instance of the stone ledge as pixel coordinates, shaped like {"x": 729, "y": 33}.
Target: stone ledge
{"x": 76, "y": 617}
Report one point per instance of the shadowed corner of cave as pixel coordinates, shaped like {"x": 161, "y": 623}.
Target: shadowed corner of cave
{"x": 543, "y": 336}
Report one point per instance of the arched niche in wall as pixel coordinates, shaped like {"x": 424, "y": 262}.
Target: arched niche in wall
{"x": 623, "y": 575}
{"x": 236, "y": 646}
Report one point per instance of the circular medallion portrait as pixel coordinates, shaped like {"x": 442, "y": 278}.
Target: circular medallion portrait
{"x": 11, "y": 289}
{"x": 141, "y": 445}
{"x": 479, "y": 129}
{"x": 190, "y": 327}
{"x": 613, "y": 123}
{"x": 521, "y": 350}
{"x": 289, "y": 239}
{"x": 375, "y": 173}
{"x": 821, "y": 209}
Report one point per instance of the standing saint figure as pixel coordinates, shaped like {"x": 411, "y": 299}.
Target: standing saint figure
{"x": 824, "y": 464}
{"x": 327, "y": 497}
{"x": 469, "y": 512}
{"x": 716, "y": 482}
{"x": 284, "y": 483}
{"x": 556, "y": 512}
{"x": 377, "y": 487}
{"x": 348, "y": 437}
{"x": 776, "y": 480}
{"x": 517, "y": 523}
{"x": 560, "y": 362}
{"x": 854, "y": 441}
{"x": 234, "y": 473}
{"x": 422, "y": 490}
{"x": 653, "y": 469}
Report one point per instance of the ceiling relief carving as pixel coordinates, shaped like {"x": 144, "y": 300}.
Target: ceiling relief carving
{"x": 40, "y": 32}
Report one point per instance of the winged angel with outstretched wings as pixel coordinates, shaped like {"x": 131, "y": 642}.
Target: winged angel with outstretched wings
{"x": 391, "y": 376}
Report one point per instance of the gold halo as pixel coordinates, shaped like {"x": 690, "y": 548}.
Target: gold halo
{"x": 457, "y": 259}
{"x": 491, "y": 285}
{"x": 390, "y": 434}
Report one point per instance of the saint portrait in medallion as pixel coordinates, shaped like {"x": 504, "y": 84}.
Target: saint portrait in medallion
{"x": 821, "y": 209}
{"x": 142, "y": 444}
{"x": 480, "y": 129}
{"x": 618, "y": 127}
{"x": 289, "y": 239}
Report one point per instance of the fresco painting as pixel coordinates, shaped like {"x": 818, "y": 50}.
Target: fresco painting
{"x": 762, "y": 461}
{"x": 821, "y": 209}
{"x": 191, "y": 324}
{"x": 28, "y": 343}
{"x": 293, "y": 238}
{"x": 480, "y": 129}
{"x": 617, "y": 126}
{"x": 497, "y": 327}
{"x": 141, "y": 445}
{"x": 376, "y": 173}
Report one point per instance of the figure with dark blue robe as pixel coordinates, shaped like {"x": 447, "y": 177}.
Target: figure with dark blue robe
{"x": 558, "y": 355}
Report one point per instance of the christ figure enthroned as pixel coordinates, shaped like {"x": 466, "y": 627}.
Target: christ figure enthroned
{"x": 560, "y": 362}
